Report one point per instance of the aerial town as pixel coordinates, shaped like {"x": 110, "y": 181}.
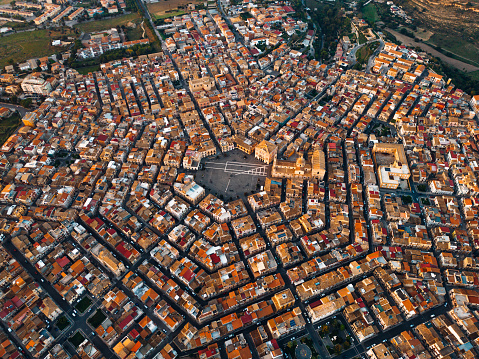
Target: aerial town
{"x": 228, "y": 196}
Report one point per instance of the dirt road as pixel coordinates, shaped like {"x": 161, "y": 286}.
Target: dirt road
{"x": 408, "y": 41}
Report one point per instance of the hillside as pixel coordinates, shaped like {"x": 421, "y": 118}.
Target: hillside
{"x": 454, "y": 24}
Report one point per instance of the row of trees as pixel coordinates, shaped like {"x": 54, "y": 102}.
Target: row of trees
{"x": 136, "y": 50}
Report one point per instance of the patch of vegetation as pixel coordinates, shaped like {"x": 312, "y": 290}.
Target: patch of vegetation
{"x": 62, "y": 323}
{"x": 31, "y": 44}
{"x": 309, "y": 342}
{"x": 406, "y": 199}
{"x": 362, "y": 39}
{"x": 246, "y": 15}
{"x": 370, "y": 13}
{"x": 261, "y": 46}
{"x": 406, "y": 31}
{"x": 330, "y": 18}
{"x": 76, "y": 339}
{"x": 335, "y": 333}
{"x": 473, "y": 75}
{"x": 18, "y": 25}
{"x": 105, "y": 24}
{"x": 83, "y": 304}
{"x": 168, "y": 15}
{"x": 365, "y": 52}
{"x": 425, "y": 201}
{"x": 134, "y": 33}
{"x": 96, "y": 319}
{"x": 27, "y": 102}
{"x": 8, "y": 126}
{"x": 422, "y": 187}
{"x": 136, "y": 50}
{"x": 465, "y": 81}
{"x": 290, "y": 348}
{"x": 87, "y": 69}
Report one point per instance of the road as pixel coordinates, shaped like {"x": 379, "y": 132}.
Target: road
{"x": 79, "y": 322}
{"x": 21, "y": 110}
{"x": 351, "y": 58}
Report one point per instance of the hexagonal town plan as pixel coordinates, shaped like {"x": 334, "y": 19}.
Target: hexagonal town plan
{"x": 230, "y": 197}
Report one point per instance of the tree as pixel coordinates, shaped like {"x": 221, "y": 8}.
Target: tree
{"x": 325, "y": 329}
{"x": 26, "y": 102}
{"x": 337, "y": 349}
{"x": 12, "y": 3}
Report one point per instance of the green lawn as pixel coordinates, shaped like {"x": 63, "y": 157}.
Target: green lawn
{"x": 100, "y": 25}
{"x": 26, "y": 45}
{"x": 370, "y": 13}
{"x": 8, "y": 126}
{"x": 83, "y": 304}
{"x": 76, "y": 339}
{"x": 96, "y": 319}
{"x": 457, "y": 46}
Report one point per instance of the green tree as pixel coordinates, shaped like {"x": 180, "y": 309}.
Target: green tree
{"x": 26, "y": 102}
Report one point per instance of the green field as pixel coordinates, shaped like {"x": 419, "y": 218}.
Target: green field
{"x": 474, "y": 75}
{"x": 17, "y": 25}
{"x": 134, "y": 33}
{"x": 87, "y": 69}
{"x": 363, "y": 54}
{"x": 100, "y": 25}
{"x": 457, "y": 46}
{"x": 167, "y": 15}
{"x": 370, "y": 13}
{"x": 26, "y": 45}
{"x": 8, "y": 126}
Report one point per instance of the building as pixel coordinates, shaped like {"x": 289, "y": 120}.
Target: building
{"x": 282, "y": 300}
{"x": 286, "y": 323}
{"x": 392, "y": 167}
{"x": 35, "y": 84}
{"x": 265, "y": 151}
{"x": 204, "y": 83}
{"x": 301, "y": 168}
{"x": 5, "y": 112}
{"x": 246, "y": 145}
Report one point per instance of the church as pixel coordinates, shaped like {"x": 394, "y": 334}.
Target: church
{"x": 314, "y": 168}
